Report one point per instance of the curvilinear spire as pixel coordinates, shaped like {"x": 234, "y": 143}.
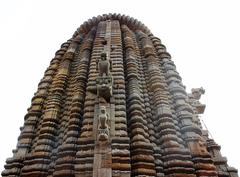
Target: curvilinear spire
{"x": 111, "y": 103}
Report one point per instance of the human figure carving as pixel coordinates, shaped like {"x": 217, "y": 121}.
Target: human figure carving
{"x": 104, "y": 80}
{"x": 104, "y": 65}
{"x": 103, "y": 118}
{"x": 103, "y": 127}
{"x": 104, "y": 87}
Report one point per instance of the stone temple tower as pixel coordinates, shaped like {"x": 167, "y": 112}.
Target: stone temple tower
{"x": 111, "y": 103}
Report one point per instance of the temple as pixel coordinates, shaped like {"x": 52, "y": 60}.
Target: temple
{"x": 111, "y": 104}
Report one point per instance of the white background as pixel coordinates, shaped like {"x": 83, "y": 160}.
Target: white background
{"x": 202, "y": 37}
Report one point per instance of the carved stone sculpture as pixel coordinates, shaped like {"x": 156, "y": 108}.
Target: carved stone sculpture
{"x": 104, "y": 87}
{"x": 194, "y": 97}
{"x": 104, "y": 65}
{"x": 197, "y": 92}
{"x": 103, "y": 131}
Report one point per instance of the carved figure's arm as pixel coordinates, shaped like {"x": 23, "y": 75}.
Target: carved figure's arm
{"x": 110, "y": 62}
{"x": 97, "y": 64}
